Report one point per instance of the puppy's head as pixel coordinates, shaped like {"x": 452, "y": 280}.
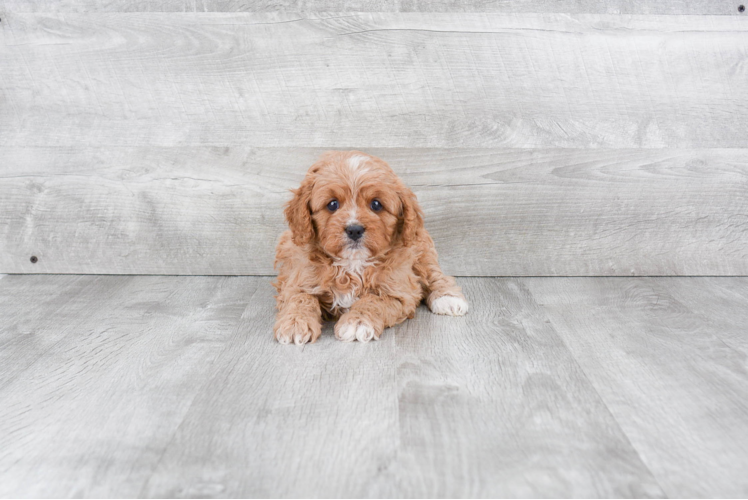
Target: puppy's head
{"x": 353, "y": 205}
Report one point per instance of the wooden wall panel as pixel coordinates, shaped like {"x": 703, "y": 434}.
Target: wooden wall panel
{"x": 217, "y": 210}
{"x": 538, "y": 143}
{"x": 508, "y": 6}
{"x": 374, "y": 80}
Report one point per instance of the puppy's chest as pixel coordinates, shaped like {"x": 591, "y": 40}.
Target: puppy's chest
{"x": 343, "y": 293}
{"x": 347, "y": 286}
{"x": 342, "y": 300}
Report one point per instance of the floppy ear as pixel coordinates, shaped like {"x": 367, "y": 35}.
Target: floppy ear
{"x": 412, "y": 216}
{"x": 299, "y": 214}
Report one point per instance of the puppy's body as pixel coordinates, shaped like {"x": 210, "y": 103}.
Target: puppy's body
{"x": 356, "y": 251}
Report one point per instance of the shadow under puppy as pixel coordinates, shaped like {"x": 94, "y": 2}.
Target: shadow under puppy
{"x": 356, "y": 251}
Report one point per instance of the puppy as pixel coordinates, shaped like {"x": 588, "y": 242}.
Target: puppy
{"x": 356, "y": 251}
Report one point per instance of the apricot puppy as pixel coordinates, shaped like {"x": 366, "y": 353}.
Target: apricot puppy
{"x": 356, "y": 251}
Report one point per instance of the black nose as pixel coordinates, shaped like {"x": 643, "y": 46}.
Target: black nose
{"x": 355, "y": 232}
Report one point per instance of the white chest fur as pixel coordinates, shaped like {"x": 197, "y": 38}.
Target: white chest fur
{"x": 344, "y": 301}
{"x": 352, "y": 263}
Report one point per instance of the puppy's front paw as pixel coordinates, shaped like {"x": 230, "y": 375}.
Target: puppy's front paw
{"x": 297, "y": 330}
{"x": 449, "y": 305}
{"x": 351, "y": 327}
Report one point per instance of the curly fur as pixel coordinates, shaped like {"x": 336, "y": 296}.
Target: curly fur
{"x": 368, "y": 285}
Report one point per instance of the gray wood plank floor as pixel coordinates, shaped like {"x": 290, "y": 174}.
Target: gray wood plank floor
{"x": 173, "y": 386}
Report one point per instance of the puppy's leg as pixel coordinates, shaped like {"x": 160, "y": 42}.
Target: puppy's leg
{"x": 370, "y": 315}
{"x": 443, "y": 295}
{"x": 299, "y": 319}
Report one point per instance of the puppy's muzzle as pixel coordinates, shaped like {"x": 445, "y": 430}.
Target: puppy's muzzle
{"x": 354, "y": 232}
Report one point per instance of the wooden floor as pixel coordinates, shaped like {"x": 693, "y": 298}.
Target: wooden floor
{"x": 173, "y": 387}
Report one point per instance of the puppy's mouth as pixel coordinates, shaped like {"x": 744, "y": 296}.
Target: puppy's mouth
{"x": 354, "y": 250}
{"x": 354, "y": 245}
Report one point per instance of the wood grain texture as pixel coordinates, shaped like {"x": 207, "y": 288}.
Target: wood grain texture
{"x": 493, "y": 405}
{"x": 36, "y": 316}
{"x": 91, "y": 416}
{"x": 174, "y": 387}
{"x": 319, "y": 421}
{"x": 677, "y": 389}
{"x": 720, "y": 303}
{"x": 363, "y": 80}
{"x": 212, "y": 210}
{"x": 509, "y": 6}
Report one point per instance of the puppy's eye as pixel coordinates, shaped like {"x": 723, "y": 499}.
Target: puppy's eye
{"x": 333, "y": 205}
{"x": 376, "y": 205}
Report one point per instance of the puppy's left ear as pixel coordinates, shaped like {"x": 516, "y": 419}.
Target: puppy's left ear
{"x": 412, "y": 215}
{"x": 299, "y": 214}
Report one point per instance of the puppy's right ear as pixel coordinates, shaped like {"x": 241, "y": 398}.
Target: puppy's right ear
{"x": 299, "y": 214}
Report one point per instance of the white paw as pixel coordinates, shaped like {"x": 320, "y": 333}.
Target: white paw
{"x": 348, "y": 331}
{"x": 449, "y": 305}
{"x": 297, "y": 336}
{"x": 298, "y": 331}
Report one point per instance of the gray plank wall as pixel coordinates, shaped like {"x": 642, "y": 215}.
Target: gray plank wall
{"x": 560, "y": 138}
